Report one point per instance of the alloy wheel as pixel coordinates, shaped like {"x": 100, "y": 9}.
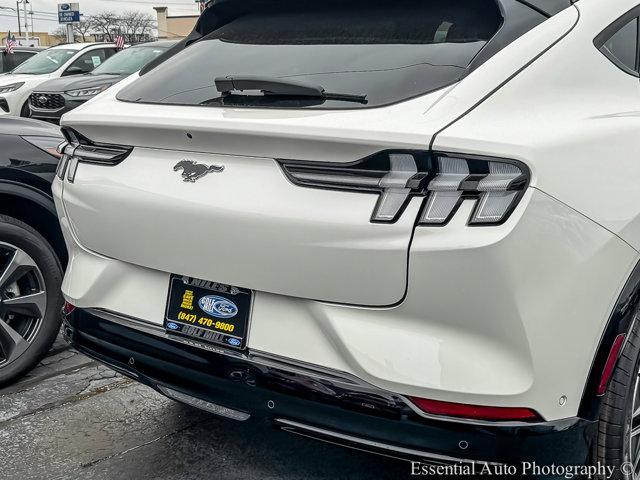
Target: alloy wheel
{"x": 23, "y": 302}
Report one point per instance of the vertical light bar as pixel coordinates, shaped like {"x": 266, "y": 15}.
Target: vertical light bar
{"x": 496, "y": 199}
{"x": 394, "y": 184}
{"x": 445, "y": 190}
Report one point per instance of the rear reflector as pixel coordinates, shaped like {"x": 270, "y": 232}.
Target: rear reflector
{"x": 607, "y": 371}
{"x": 68, "y": 308}
{"x": 475, "y": 412}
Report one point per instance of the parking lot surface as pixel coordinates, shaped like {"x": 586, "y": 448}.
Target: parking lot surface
{"x": 72, "y": 418}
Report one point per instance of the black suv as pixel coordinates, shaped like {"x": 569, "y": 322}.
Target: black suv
{"x": 32, "y": 249}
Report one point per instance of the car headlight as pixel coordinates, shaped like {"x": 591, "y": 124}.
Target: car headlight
{"x": 10, "y": 88}
{"x": 88, "y": 92}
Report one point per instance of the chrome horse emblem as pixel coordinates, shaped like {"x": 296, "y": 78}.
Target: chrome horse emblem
{"x": 193, "y": 171}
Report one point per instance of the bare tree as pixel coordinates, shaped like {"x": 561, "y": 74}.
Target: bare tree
{"x": 136, "y": 26}
{"x": 84, "y": 28}
{"x": 60, "y": 34}
{"x": 107, "y": 24}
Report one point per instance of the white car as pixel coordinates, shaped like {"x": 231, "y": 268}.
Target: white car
{"x": 406, "y": 227}
{"x": 55, "y": 62}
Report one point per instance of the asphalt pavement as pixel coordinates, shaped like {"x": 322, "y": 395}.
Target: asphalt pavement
{"x": 72, "y": 418}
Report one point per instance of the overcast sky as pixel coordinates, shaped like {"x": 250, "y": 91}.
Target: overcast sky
{"x": 45, "y": 11}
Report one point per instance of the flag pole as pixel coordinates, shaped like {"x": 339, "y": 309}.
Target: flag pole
{"x": 18, "y": 12}
{"x": 26, "y": 20}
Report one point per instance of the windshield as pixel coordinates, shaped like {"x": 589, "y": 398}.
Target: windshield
{"x": 386, "y": 51}
{"x": 45, "y": 62}
{"x": 129, "y": 61}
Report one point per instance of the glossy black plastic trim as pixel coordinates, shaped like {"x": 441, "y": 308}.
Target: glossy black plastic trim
{"x": 27, "y": 192}
{"x": 610, "y": 31}
{"x": 518, "y": 18}
{"x": 548, "y": 7}
{"x": 620, "y": 322}
{"x": 281, "y": 391}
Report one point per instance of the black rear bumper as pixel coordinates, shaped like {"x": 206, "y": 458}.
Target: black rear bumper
{"x": 314, "y": 402}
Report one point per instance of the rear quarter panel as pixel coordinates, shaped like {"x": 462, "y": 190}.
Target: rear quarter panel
{"x": 574, "y": 118}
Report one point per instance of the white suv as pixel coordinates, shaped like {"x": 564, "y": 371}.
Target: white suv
{"x": 409, "y": 227}
{"x": 59, "y": 61}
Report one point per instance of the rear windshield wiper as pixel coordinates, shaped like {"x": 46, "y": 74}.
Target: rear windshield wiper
{"x": 273, "y": 86}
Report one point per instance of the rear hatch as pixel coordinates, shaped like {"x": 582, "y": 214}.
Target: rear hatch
{"x": 204, "y": 192}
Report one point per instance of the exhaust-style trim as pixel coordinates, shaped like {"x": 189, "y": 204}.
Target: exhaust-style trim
{"x": 371, "y": 446}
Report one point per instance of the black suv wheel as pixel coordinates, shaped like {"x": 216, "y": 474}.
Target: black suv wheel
{"x": 30, "y": 300}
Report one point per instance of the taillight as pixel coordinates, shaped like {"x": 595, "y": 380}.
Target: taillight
{"x": 497, "y": 185}
{"x": 475, "y": 412}
{"x": 79, "y": 149}
{"x": 444, "y": 179}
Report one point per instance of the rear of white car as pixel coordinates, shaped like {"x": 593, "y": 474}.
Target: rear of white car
{"x": 357, "y": 252}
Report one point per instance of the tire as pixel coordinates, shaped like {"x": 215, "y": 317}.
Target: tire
{"x": 42, "y": 277}
{"x": 613, "y": 446}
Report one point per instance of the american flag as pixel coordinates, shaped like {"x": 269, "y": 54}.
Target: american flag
{"x": 11, "y": 43}
{"x": 119, "y": 42}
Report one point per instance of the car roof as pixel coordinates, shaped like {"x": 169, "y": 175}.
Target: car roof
{"x": 27, "y": 126}
{"x": 159, "y": 43}
{"x": 80, "y": 46}
{"x": 546, "y": 7}
{"x": 549, "y": 7}
{"x": 25, "y": 49}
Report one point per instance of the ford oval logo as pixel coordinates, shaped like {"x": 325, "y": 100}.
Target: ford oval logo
{"x": 65, "y": 6}
{"x": 172, "y": 326}
{"x": 219, "y": 307}
{"x": 234, "y": 341}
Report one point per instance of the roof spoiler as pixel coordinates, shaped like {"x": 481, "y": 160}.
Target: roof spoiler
{"x": 220, "y": 12}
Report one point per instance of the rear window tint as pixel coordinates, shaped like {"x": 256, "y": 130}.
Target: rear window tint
{"x": 386, "y": 51}
{"x": 623, "y": 45}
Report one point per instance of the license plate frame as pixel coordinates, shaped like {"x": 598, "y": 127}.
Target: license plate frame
{"x": 208, "y": 311}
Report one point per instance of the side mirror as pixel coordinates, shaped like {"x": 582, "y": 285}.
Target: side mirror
{"x": 73, "y": 71}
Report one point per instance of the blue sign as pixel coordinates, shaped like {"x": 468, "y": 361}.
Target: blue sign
{"x": 68, "y": 12}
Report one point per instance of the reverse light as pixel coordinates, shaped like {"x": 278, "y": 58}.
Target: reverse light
{"x": 444, "y": 179}
{"x": 88, "y": 92}
{"x": 11, "y": 88}
{"x": 476, "y": 412}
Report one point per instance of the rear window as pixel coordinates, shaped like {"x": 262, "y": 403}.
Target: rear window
{"x": 387, "y": 51}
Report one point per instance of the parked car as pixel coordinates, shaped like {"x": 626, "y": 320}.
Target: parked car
{"x": 429, "y": 208}
{"x": 55, "y": 62}
{"x": 55, "y": 97}
{"x": 32, "y": 250}
{"x": 9, "y": 61}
